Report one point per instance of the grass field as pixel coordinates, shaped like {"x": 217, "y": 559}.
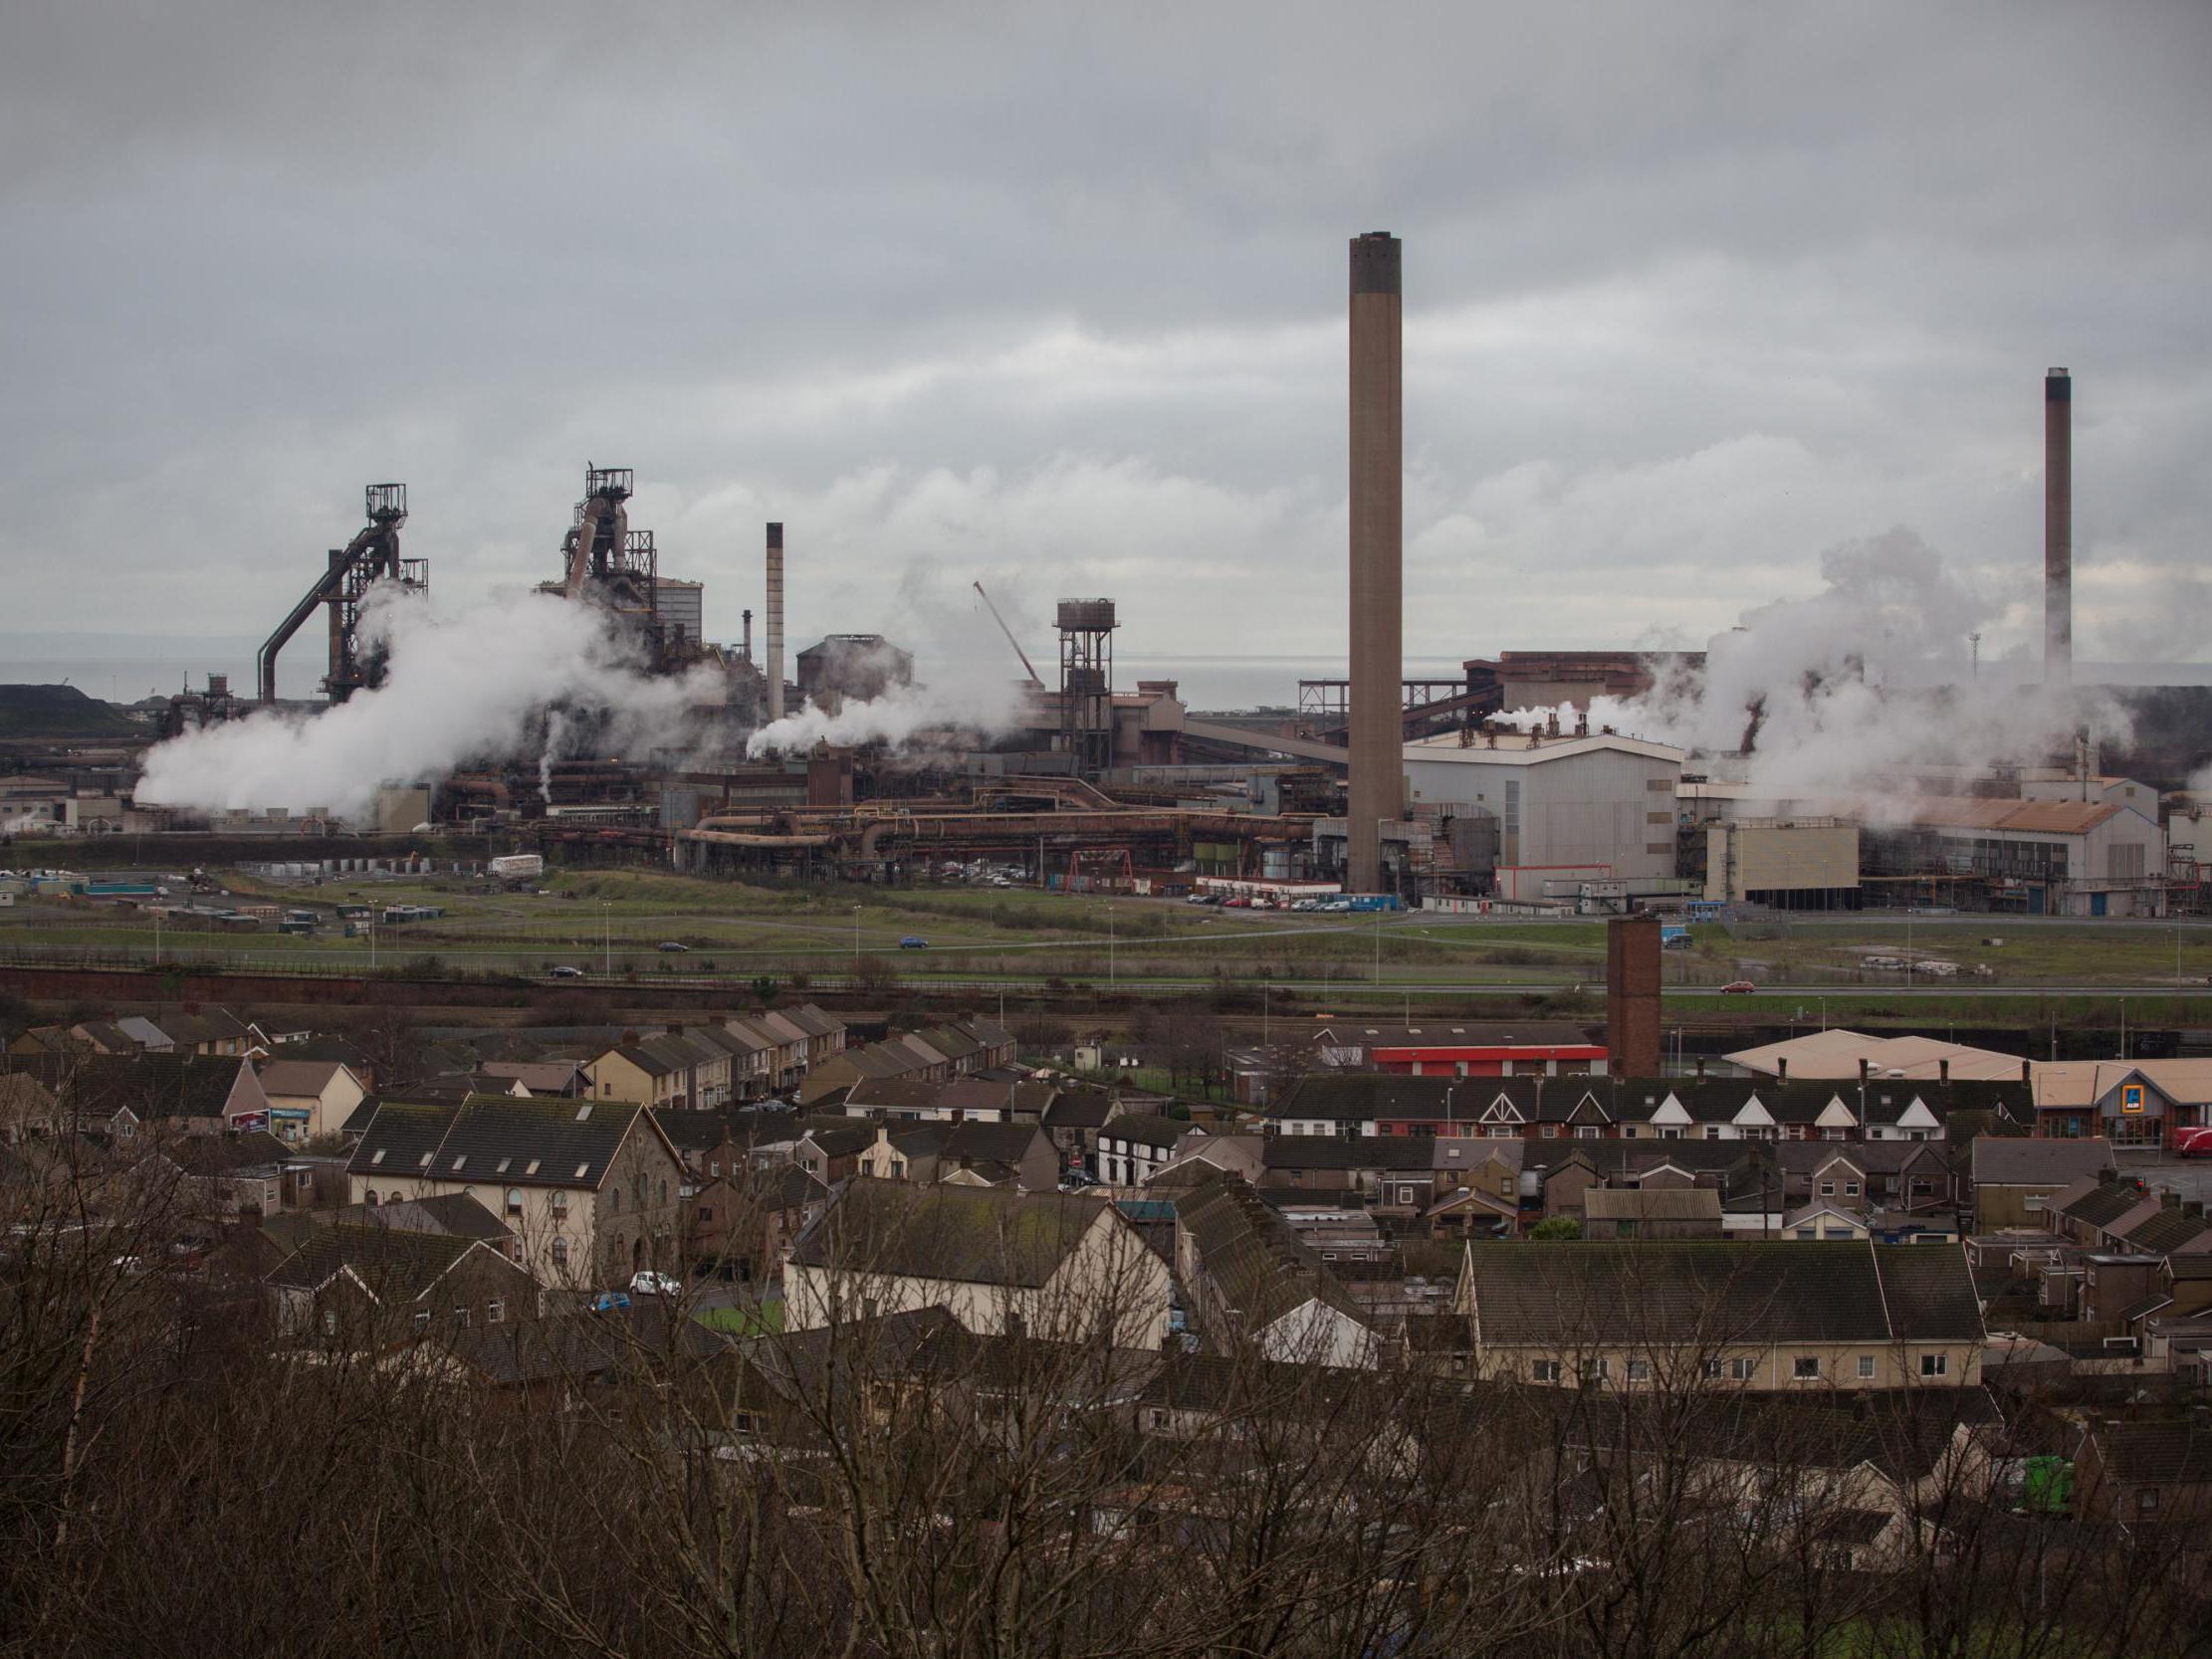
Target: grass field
{"x": 613, "y": 922}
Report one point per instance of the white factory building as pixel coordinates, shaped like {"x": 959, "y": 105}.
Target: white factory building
{"x": 1581, "y": 801}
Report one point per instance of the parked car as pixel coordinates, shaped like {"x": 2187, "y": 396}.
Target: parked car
{"x": 2195, "y": 1141}
{"x": 1737, "y": 985}
{"x": 563, "y": 971}
{"x": 913, "y": 941}
{"x": 672, "y": 946}
{"x": 606, "y": 1301}
{"x": 649, "y": 1283}
{"x": 1237, "y": 904}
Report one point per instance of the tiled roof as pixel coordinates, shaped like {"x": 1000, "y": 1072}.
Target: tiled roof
{"x": 2169, "y": 1230}
{"x": 297, "y": 1077}
{"x": 1364, "y": 1151}
{"x": 1634, "y": 1203}
{"x": 1078, "y": 1109}
{"x": 395, "y": 1266}
{"x": 2105, "y": 1203}
{"x": 153, "y": 1085}
{"x": 963, "y": 1234}
{"x": 2158, "y": 1454}
{"x": 1146, "y": 1130}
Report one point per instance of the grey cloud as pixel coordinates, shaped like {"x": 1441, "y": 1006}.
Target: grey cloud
{"x": 1055, "y": 293}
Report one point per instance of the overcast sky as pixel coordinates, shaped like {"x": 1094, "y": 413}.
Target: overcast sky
{"x": 1054, "y": 295}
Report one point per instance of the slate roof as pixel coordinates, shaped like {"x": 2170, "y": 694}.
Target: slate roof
{"x": 894, "y": 1093}
{"x": 967, "y": 1234}
{"x": 1721, "y": 1293}
{"x": 1004, "y": 1142}
{"x": 1146, "y": 1130}
{"x": 693, "y": 1131}
{"x": 343, "y": 1050}
{"x": 220, "y": 1155}
{"x": 2170, "y": 1229}
{"x": 1261, "y": 1266}
{"x": 153, "y": 1085}
{"x": 394, "y": 1265}
{"x": 2035, "y": 1161}
{"x": 2105, "y": 1203}
{"x": 2158, "y": 1454}
{"x": 1364, "y": 1152}
{"x": 1078, "y": 1109}
{"x": 496, "y": 1138}
{"x": 539, "y": 1077}
{"x": 457, "y": 1214}
{"x": 1633, "y": 1203}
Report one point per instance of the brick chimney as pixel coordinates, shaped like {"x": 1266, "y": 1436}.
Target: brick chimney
{"x": 1632, "y": 995}
{"x": 1782, "y": 1068}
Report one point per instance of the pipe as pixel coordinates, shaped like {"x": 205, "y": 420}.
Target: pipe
{"x": 730, "y": 837}
{"x": 2058, "y": 528}
{"x": 775, "y": 622}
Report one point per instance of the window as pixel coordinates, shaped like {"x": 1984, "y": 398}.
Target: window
{"x": 1712, "y": 1371}
{"x": 706, "y": 1213}
{"x": 560, "y": 1252}
{"x": 614, "y": 1200}
{"x": 1934, "y": 1364}
{"x": 422, "y": 1322}
{"x": 1639, "y": 1371}
{"x": 495, "y": 1311}
{"x": 1866, "y": 1367}
{"x": 1806, "y": 1367}
{"x": 664, "y": 1189}
{"x": 1713, "y": 1132}
{"x": 370, "y": 1195}
{"x": 2146, "y": 1500}
{"x": 514, "y": 1200}
{"x": 1828, "y": 1189}
{"x": 461, "y": 1318}
{"x": 1808, "y": 1232}
{"x": 329, "y": 1322}
{"x": 1587, "y": 1133}
{"x": 1545, "y": 1370}
{"x": 1851, "y": 1189}
{"x": 1744, "y": 1371}
{"x": 560, "y": 1208}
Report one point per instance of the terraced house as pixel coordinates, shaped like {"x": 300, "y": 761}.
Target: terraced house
{"x": 592, "y": 1189}
{"x": 1781, "y": 1317}
{"x": 1643, "y": 1109}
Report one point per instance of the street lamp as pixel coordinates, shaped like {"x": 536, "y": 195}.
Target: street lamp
{"x": 1110, "y": 945}
{"x": 606, "y": 926}
{"x": 856, "y": 935}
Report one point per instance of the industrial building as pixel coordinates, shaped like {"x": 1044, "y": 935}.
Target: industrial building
{"x": 1590, "y": 801}
{"x": 1787, "y": 863}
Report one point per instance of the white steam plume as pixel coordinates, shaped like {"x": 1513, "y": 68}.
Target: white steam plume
{"x": 1852, "y": 691}
{"x": 469, "y": 685}
{"x": 966, "y": 678}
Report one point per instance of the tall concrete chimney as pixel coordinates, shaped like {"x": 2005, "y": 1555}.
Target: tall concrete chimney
{"x": 1377, "y": 757}
{"x": 775, "y": 668}
{"x": 2058, "y": 528}
{"x": 747, "y": 653}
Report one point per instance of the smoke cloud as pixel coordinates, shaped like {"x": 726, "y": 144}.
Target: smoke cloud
{"x": 966, "y": 679}
{"x": 471, "y": 686}
{"x": 1856, "y": 690}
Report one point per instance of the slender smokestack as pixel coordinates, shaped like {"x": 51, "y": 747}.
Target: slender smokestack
{"x": 775, "y": 668}
{"x": 1378, "y": 546}
{"x": 2058, "y": 528}
{"x": 746, "y": 654}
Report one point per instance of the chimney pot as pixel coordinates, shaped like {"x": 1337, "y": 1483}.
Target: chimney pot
{"x": 1782, "y": 1069}
{"x": 1944, "y": 1069}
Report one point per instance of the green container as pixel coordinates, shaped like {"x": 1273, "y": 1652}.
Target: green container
{"x": 2048, "y": 1488}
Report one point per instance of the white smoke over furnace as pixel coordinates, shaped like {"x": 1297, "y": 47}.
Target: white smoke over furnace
{"x": 470, "y": 685}
{"x": 966, "y": 680}
{"x": 1852, "y": 691}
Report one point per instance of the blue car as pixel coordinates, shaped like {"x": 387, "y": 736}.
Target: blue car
{"x": 913, "y": 941}
{"x": 607, "y": 1302}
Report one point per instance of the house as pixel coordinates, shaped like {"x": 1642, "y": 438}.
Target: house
{"x": 742, "y": 1223}
{"x": 122, "y": 1096}
{"x": 567, "y": 1077}
{"x": 252, "y": 1173}
{"x": 27, "y": 1110}
{"x": 1824, "y": 1218}
{"x": 307, "y": 1098}
{"x": 1047, "y": 1264}
{"x": 1629, "y": 1212}
{"x": 1757, "y": 1316}
{"x": 1073, "y": 1119}
{"x": 829, "y": 1148}
{"x": 676, "y": 1069}
{"x": 2145, "y": 1474}
{"x": 187, "y": 1032}
{"x": 1255, "y": 1286}
{"x": 367, "y": 1287}
{"x": 1133, "y": 1147}
{"x": 449, "y": 1215}
{"x": 1476, "y": 1187}
{"x": 849, "y": 1066}
{"x": 592, "y": 1189}
{"x": 2014, "y": 1176}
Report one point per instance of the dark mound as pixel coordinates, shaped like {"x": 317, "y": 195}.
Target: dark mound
{"x": 61, "y": 712}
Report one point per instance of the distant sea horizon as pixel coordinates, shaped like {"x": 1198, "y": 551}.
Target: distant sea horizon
{"x": 123, "y": 668}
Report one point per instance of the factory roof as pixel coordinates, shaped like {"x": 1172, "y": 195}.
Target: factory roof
{"x": 1837, "y": 1053}
{"x": 1529, "y": 749}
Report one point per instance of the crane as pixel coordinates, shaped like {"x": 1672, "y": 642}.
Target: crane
{"x": 1009, "y": 632}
